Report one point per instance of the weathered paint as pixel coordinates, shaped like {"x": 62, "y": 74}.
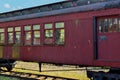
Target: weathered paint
{"x": 16, "y": 51}
{"x": 79, "y": 43}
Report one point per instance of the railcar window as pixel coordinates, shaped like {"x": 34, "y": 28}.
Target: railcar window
{"x": 27, "y": 28}
{"x": 59, "y": 33}
{"x": 36, "y": 34}
{"x": 105, "y": 25}
{"x": 28, "y": 35}
{"x": 10, "y": 35}
{"x": 101, "y": 25}
{"x": 2, "y": 36}
{"x": 17, "y": 28}
{"x": 119, "y": 24}
{"x": 109, "y": 24}
{"x": 48, "y": 33}
{"x": 115, "y": 26}
{"x": 17, "y": 35}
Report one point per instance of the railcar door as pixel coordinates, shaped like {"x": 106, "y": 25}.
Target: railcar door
{"x": 108, "y": 35}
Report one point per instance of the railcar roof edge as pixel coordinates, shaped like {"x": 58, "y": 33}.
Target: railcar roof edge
{"x": 72, "y": 9}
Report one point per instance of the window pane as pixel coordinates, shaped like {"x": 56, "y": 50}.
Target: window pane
{"x": 119, "y": 24}
{"x": 36, "y": 27}
{"x": 110, "y": 24}
{"x": 2, "y": 30}
{"x": 10, "y": 37}
{"x": 10, "y": 29}
{"x": 17, "y": 29}
{"x": 27, "y": 28}
{"x": 48, "y": 36}
{"x": 36, "y": 37}
{"x": 115, "y": 24}
{"x": 17, "y": 37}
{"x": 60, "y": 36}
{"x": 48, "y": 33}
{"x": 2, "y": 38}
{"x": 101, "y": 25}
{"x": 105, "y": 25}
{"x": 48, "y": 26}
{"x": 28, "y": 38}
{"x": 59, "y": 25}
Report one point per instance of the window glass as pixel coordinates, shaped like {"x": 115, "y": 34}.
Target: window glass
{"x": 2, "y": 37}
{"x": 48, "y": 26}
{"x": 105, "y": 25}
{"x": 28, "y": 35}
{"x": 2, "y": 30}
{"x": 115, "y": 26}
{"x": 59, "y": 33}
{"x": 10, "y": 29}
{"x": 28, "y": 38}
{"x": 119, "y": 24}
{"x": 36, "y": 27}
{"x": 110, "y": 24}
{"x": 17, "y": 29}
{"x": 101, "y": 25}
{"x": 59, "y": 25}
{"x": 48, "y": 34}
{"x": 27, "y": 28}
{"x": 36, "y": 39}
{"x": 60, "y": 36}
{"x": 36, "y": 34}
{"x": 10, "y": 37}
{"x": 17, "y": 37}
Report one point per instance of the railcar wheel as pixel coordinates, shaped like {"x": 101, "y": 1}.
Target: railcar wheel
{"x": 9, "y": 67}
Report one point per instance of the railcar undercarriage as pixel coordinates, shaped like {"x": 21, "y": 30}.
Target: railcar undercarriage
{"x": 8, "y": 64}
{"x": 112, "y": 74}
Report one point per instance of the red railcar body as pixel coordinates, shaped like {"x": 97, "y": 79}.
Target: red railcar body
{"x": 84, "y": 41}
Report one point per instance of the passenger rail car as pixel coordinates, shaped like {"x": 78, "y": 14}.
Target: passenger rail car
{"x": 85, "y": 33}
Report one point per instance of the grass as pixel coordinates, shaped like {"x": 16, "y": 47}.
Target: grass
{"x": 8, "y": 78}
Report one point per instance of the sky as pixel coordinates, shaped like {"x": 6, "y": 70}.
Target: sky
{"x": 11, "y": 5}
